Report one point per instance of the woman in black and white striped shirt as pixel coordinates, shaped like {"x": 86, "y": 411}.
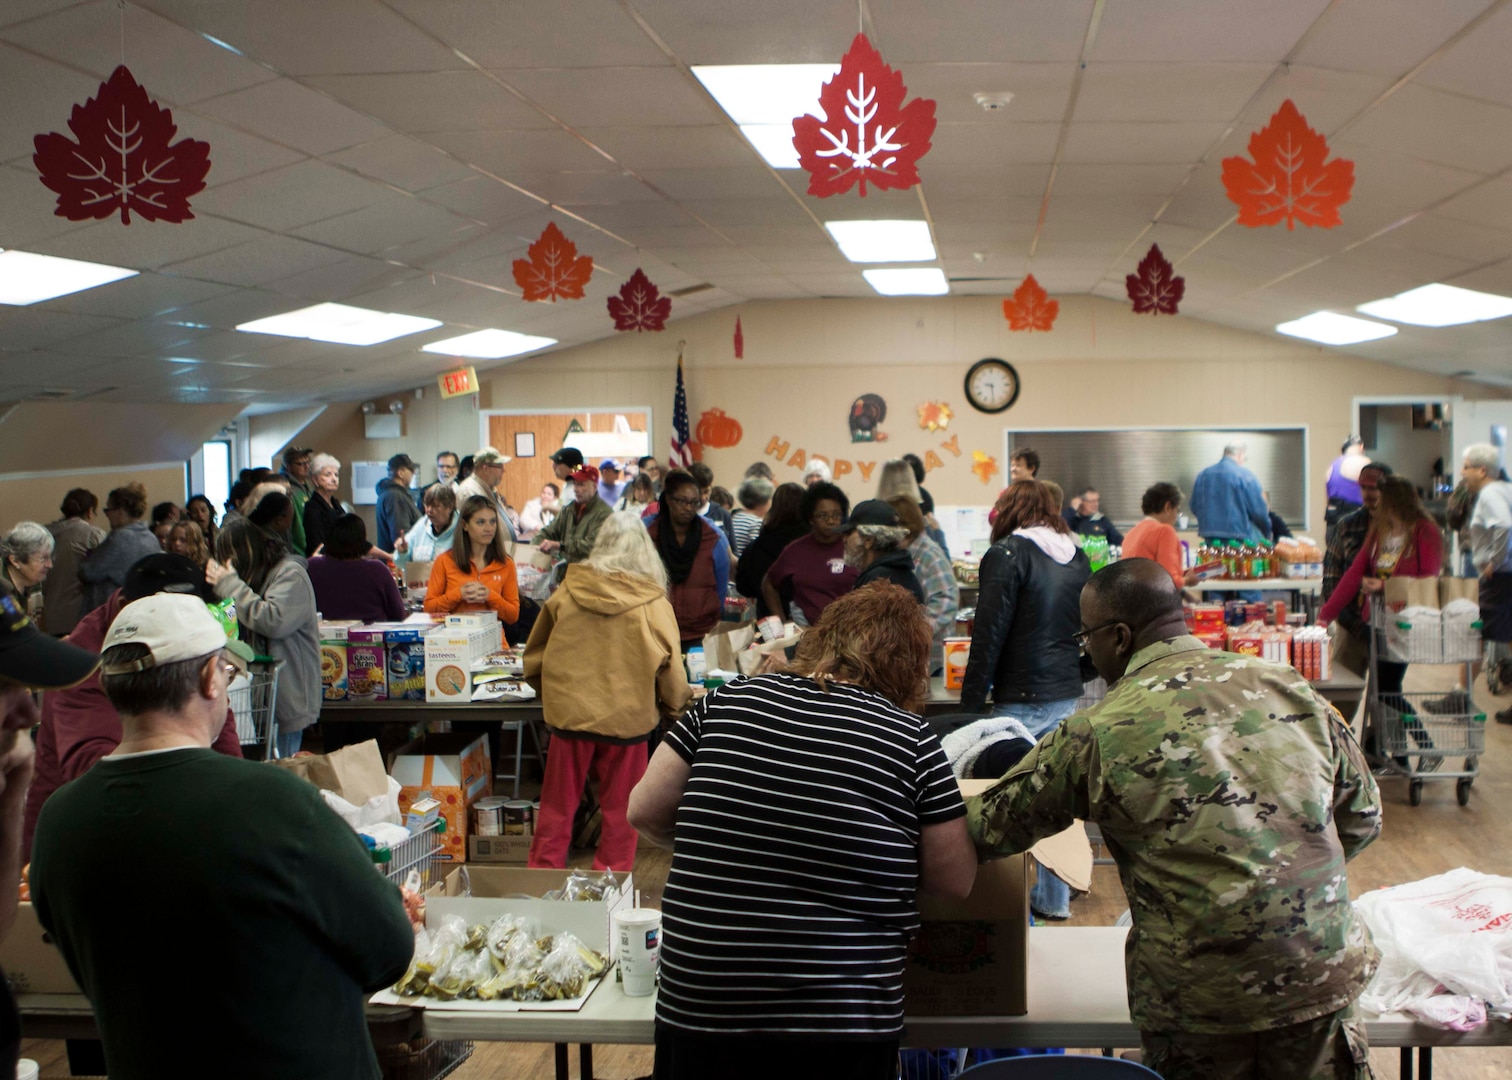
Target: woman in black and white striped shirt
{"x": 807, "y": 808}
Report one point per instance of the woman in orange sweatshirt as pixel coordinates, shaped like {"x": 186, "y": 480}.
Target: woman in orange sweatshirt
{"x": 476, "y": 574}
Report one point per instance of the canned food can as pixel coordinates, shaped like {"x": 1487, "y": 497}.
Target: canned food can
{"x": 488, "y": 817}
{"x": 519, "y": 817}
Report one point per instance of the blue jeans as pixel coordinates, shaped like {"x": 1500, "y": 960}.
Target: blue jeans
{"x": 1050, "y": 895}
{"x": 288, "y": 742}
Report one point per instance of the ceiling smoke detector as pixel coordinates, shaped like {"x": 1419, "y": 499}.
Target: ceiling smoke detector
{"x": 993, "y": 102}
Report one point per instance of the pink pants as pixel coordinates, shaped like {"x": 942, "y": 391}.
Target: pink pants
{"x": 617, "y": 769}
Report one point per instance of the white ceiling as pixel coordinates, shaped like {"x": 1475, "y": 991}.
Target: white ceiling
{"x": 400, "y": 154}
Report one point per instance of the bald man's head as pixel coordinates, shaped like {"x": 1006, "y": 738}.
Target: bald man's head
{"x": 1125, "y": 607}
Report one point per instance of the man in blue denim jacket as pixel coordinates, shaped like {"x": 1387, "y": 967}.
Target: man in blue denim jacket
{"x": 1228, "y": 501}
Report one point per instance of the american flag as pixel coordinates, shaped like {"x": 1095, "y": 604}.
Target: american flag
{"x": 681, "y": 456}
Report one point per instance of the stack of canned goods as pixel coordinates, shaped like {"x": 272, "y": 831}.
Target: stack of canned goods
{"x": 503, "y": 817}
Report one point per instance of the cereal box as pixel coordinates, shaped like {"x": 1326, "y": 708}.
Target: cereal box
{"x": 367, "y": 665}
{"x": 406, "y": 662}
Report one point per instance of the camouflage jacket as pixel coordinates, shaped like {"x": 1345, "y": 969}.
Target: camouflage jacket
{"x": 1230, "y": 795}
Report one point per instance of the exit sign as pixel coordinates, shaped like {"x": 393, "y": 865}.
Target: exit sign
{"x": 457, "y": 383}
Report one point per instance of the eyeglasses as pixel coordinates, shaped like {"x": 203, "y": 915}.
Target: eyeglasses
{"x": 225, "y": 665}
{"x": 1081, "y": 637}
{"x": 691, "y": 504}
{"x": 828, "y": 515}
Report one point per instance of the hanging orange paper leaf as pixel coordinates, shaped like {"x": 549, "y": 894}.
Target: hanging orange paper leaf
{"x": 1031, "y": 307}
{"x": 1290, "y": 177}
{"x": 985, "y": 467}
{"x": 935, "y": 416}
{"x": 554, "y": 268}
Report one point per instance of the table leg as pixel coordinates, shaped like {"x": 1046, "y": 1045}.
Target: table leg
{"x": 561, "y": 1061}
{"x": 1425, "y": 1062}
{"x": 1405, "y": 1069}
{"x": 585, "y": 1061}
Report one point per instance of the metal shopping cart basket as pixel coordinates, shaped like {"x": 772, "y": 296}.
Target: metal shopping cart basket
{"x": 253, "y": 700}
{"x": 1418, "y": 735}
{"x": 418, "y": 853}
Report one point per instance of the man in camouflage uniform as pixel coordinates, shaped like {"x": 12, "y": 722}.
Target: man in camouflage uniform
{"x": 1230, "y": 795}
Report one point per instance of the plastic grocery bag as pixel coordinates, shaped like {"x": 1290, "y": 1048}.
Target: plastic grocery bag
{"x": 379, "y": 810}
{"x": 1443, "y": 938}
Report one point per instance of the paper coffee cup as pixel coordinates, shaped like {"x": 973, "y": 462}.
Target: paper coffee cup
{"x": 639, "y": 931}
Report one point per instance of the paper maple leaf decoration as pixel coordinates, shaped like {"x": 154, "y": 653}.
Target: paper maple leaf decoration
{"x": 123, "y": 159}
{"x": 1030, "y": 308}
{"x": 870, "y": 136}
{"x": 640, "y": 305}
{"x": 739, "y": 340}
{"x": 554, "y": 268}
{"x": 985, "y": 467}
{"x": 935, "y": 415}
{"x": 1290, "y": 177}
{"x": 1155, "y": 289}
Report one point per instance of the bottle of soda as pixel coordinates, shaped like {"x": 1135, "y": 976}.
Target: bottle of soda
{"x": 1096, "y": 548}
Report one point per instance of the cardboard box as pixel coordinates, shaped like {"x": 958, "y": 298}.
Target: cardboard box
{"x": 450, "y": 655}
{"x": 957, "y": 651}
{"x": 333, "y": 658}
{"x": 406, "y": 661}
{"x": 970, "y": 957}
{"x": 453, "y": 768}
{"x": 367, "y": 664}
{"x": 489, "y": 882}
{"x": 32, "y": 963}
{"x": 513, "y": 850}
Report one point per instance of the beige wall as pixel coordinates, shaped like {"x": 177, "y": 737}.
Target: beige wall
{"x": 37, "y": 498}
{"x": 806, "y": 361}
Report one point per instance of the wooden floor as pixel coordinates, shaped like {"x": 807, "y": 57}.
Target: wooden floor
{"x": 1417, "y": 842}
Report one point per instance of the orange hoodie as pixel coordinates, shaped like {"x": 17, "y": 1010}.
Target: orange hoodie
{"x": 443, "y": 594}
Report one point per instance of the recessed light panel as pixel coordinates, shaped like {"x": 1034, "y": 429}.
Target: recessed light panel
{"x": 489, "y": 344}
{"x": 764, "y": 99}
{"x": 30, "y": 279}
{"x": 909, "y": 281}
{"x": 1328, "y": 328}
{"x": 341, "y": 324}
{"x": 883, "y": 241}
{"x": 1439, "y": 305}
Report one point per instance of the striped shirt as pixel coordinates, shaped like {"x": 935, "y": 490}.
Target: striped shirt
{"x": 747, "y": 526}
{"x": 790, "y": 901}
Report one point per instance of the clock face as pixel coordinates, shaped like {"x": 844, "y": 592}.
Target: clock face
{"x": 992, "y": 385}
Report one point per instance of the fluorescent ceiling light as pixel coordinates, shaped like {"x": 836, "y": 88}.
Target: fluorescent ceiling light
{"x": 29, "y": 279}
{"x": 1439, "y": 305}
{"x": 764, "y": 99}
{"x": 883, "y": 241}
{"x": 340, "y": 323}
{"x": 1328, "y": 328}
{"x": 489, "y": 344}
{"x": 912, "y": 281}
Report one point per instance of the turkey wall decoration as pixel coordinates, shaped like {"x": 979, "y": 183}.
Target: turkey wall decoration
{"x": 640, "y": 305}
{"x": 1030, "y": 307}
{"x": 1290, "y": 177}
{"x": 866, "y": 415}
{"x": 868, "y": 135}
{"x": 125, "y": 158}
{"x": 1155, "y": 289}
{"x": 554, "y": 268}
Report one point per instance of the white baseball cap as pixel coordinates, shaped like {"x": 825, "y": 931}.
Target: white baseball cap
{"x": 174, "y": 627}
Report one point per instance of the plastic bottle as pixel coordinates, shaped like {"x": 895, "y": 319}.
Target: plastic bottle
{"x": 1096, "y": 548}
{"x": 1264, "y": 559}
{"x": 696, "y": 668}
{"x": 1227, "y": 554}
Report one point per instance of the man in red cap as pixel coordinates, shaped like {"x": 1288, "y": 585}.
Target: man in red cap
{"x": 576, "y": 527}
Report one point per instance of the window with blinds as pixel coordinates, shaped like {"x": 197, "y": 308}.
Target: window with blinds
{"x": 1122, "y": 463}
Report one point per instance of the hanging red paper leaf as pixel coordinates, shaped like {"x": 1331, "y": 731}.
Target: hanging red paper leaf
{"x": 554, "y": 268}
{"x": 640, "y": 305}
{"x": 1031, "y": 308}
{"x": 869, "y": 135}
{"x": 123, "y": 159}
{"x": 1155, "y": 289}
{"x": 1290, "y": 177}
{"x": 739, "y": 340}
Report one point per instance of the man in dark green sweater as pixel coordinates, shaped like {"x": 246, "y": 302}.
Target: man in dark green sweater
{"x": 222, "y": 919}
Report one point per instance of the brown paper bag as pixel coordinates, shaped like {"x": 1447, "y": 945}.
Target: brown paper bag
{"x": 354, "y": 772}
{"x": 722, "y": 648}
{"x": 1405, "y": 592}
{"x": 1458, "y": 588}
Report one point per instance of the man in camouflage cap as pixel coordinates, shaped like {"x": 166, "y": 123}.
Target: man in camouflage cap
{"x": 1230, "y": 795}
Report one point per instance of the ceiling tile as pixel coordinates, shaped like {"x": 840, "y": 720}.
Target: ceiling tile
{"x": 1487, "y": 203}
{"x": 19, "y": 11}
{"x": 564, "y": 33}
{"x": 1440, "y": 127}
{"x": 518, "y": 151}
{"x": 772, "y": 32}
{"x": 692, "y": 147}
{"x": 339, "y": 280}
{"x": 1120, "y": 92}
{"x": 1387, "y": 37}
{"x": 435, "y": 101}
{"x": 1476, "y": 66}
{"x": 263, "y": 200}
{"x": 1040, "y": 90}
{"x": 483, "y": 198}
{"x": 141, "y": 338}
{"x": 1193, "y": 31}
{"x": 26, "y": 209}
{"x": 583, "y": 188}
{"x": 1149, "y": 143}
{"x": 986, "y": 146}
{"x": 726, "y": 213}
{"x": 38, "y": 96}
{"x": 404, "y": 162}
{"x": 146, "y": 244}
{"x": 35, "y": 328}
{"x": 716, "y": 183}
{"x": 144, "y": 296}
{"x": 291, "y": 115}
{"x": 259, "y": 261}
{"x": 911, "y": 30}
{"x": 615, "y": 96}
{"x": 389, "y": 224}
{"x": 235, "y": 155}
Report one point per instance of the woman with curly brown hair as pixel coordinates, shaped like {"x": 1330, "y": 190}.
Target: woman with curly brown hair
{"x": 807, "y": 808}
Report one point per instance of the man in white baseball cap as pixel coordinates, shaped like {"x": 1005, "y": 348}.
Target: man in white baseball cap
{"x": 269, "y": 887}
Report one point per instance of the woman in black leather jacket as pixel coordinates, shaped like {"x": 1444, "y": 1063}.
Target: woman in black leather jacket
{"x": 783, "y": 524}
{"x": 1023, "y": 644}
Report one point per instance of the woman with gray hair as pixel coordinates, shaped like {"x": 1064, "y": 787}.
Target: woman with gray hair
{"x": 28, "y": 552}
{"x": 876, "y": 545}
{"x": 601, "y": 716}
{"x": 323, "y": 509}
{"x": 755, "y": 497}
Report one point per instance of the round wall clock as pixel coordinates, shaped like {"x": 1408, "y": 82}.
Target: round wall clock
{"x": 992, "y": 385}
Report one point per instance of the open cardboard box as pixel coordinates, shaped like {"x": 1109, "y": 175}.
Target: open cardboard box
{"x": 32, "y": 963}
{"x": 970, "y": 957}
{"x": 510, "y": 850}
{"x": 454, "y": 769}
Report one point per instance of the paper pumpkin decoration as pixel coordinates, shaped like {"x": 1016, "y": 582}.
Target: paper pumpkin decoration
{"x": 985, "y": 467}
{"x": 640, "y": 305}
{"x": 1290, "y": 177}
{"x": 718, "y": 430}
{"x": 125, "y": 158}
{"x": 554, "y": 268}
{"x": 739, "y": 340}
{"x": 869, "y": 136}
{"x": 1030, "y": 308}
{"x": 935, "y": 416}
{"x": 1155, "y": 289}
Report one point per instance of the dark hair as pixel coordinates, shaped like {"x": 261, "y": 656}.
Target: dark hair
{"x": 168, "y": 687}
{"x": 210, "y": 506}
{"x": 1131, "y": 591}
{"x": 641, "y": 462}
{"x": 877, "y": 637}
{"x": 451, "y": 454}
{"x": 270, "y": 508}
{"x": 721, "y": 497}
{"x": 1351, "y": 441}
{"x": 761, "y": 468}
{"x": 165, "y": 511}
{"x": 132, "y": 498}
{"x": 817, "y": 493}
{"x": 1379, "y": 466}
{"x": 1088, "y": 491}
{"x": 239, "y": 491}
{"x": 1401, "y": 506}
{"x": 259, "y": 475}
{"x": 556, "y": 490}
{"x": 915, "y": 463}
{"x": 292, "y": 454}
{"x": 702, "y": 473}
{"x": 461, "y": 549}
{"x": 1158, "y": 496}
{"x": 787, "y": 506}
{"x": 675, "y": 479}
{"x": 347, "y": 538}
{"x": 1029, "y": 458}
{"x": 464, "y": 468}
{"x": 910, "y": 515}
{"x": 255, "y": 552}
{"x": 643, "y": 484}
{"x": 1025, "y": 504}
{"x": 78, "y": 502}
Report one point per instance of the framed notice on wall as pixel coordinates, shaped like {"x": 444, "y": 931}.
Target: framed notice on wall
{"x": 524, "y": 444}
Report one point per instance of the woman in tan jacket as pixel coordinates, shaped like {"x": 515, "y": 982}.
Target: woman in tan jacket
{"x": 604, "y": 655}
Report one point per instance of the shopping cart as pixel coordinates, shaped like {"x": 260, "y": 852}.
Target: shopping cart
{"x": 1407, "y": 733}
{"x": 253, "y": 699}
{"x": 418, "y": 853}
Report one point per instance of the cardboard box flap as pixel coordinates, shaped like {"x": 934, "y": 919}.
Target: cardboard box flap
{"x": 1068, "y": 853}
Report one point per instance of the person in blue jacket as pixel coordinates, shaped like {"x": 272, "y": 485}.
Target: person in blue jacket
{"x": 1227, "y": 500}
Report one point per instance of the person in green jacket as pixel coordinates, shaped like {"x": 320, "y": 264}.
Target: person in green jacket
{"x": 575, "y": 529}
{"x": 296, "y": 470}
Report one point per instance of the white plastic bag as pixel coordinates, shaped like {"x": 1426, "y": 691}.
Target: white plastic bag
{"x": 377, "y": 810}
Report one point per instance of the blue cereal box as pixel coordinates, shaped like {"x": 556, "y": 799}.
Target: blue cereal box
{"x": 406, "y": 662}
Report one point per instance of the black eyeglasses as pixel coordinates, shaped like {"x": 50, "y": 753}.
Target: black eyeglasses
{"x": 1080, "y": 638}
{"x": 691, "y": 503}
